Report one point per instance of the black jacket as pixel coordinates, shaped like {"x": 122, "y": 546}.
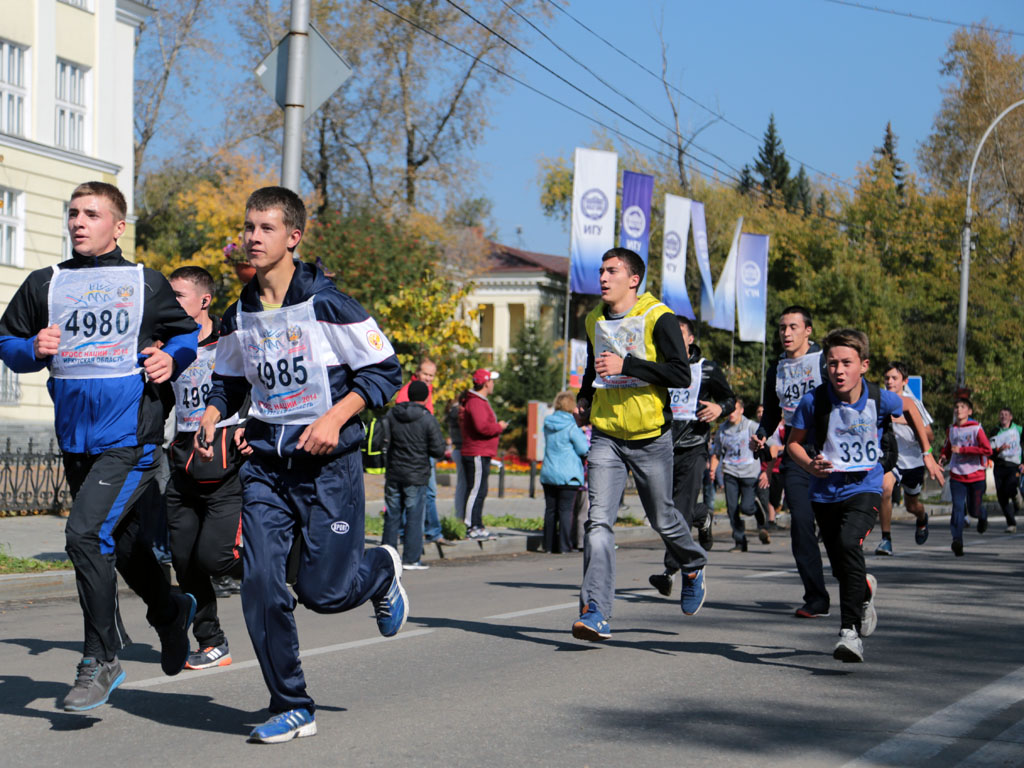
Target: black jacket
{"x": 413, "y": 438}
{"x": 713, "y": 385}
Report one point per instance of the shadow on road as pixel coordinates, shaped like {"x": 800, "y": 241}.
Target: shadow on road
{"x": 37, "y": 646}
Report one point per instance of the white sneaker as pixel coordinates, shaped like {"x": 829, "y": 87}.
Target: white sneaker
{"x": 417, "y": 566}
{"x": 849, "y": 648}
{"x": 869, "y": 617}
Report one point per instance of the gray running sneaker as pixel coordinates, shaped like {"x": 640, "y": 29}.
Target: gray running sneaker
{"x": 869, "y": 617}
{"x": 849, "y": 648}
{"x": 94, "y": 683}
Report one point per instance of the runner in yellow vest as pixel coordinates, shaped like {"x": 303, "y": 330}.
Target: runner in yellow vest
{"x": 635, "y": 353}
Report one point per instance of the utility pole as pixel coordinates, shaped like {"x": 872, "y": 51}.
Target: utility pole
{"x": 965, "y": 257}
{"x": 295, "y": 95}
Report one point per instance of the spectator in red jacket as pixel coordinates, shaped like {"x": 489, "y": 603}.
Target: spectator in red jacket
{"x": 480, "y": 430}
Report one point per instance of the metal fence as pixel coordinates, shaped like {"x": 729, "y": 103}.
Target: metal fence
{"x": 32, "y": 480}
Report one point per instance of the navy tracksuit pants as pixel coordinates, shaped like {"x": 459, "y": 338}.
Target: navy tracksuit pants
{"x": 322, "y": 502}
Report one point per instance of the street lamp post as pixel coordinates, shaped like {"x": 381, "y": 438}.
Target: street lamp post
{"x": 295, "y": 95}
{"x": 965, "y": 257}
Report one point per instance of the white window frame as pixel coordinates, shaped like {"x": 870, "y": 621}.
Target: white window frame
{"x": 12, "y": 228}
{"x": 71, "y": 128}
{"x": 65, "y": 238}
{"x": 14, "y": 89}
{"x": 85, "y": 5}
{"x": 10, "y": 387}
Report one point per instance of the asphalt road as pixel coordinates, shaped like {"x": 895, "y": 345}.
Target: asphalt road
{"x": 486, "y": 673}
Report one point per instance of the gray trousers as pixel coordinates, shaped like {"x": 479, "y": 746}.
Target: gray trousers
{"x": 651, "y": 465}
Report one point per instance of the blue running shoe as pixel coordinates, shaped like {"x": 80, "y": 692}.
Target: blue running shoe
{"x": 392, "y": 608}
{"x": 174, "y": 646}
{"x": 921, "y": 531}
{"x": 884, "y": 547}
{"x": 591, "y": 625}
{"x": 694, "y": 590}
{"x": 293, "y": 724}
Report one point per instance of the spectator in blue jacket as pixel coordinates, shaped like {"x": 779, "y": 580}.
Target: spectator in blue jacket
{"x": 562, "y": 472}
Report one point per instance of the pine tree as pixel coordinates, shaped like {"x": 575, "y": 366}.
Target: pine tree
{"x": 798, "y": 193}
{"x": 888, "y": 152}
{"x": 772, "y": 165}
{"x": 746, "y": 183}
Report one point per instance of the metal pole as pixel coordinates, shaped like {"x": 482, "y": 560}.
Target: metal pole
{"x": 295, "y": 95}
{"x": 764, "y": 345}
{"x": 568, "y": 303}
{"x": 965, "y": 256}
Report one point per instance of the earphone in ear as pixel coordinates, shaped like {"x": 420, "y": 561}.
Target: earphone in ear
{"x": 204, "y": 304}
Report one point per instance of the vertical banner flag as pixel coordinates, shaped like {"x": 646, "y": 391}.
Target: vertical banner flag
{"x": 700, "y": 247}
{"x": 593, "y": 217}
{"x": 752, "y": 286}
{"x": 673, "y": 256}
{"x": 635, "y": 227}
{"x": 578, "y": 362}
{"x": 725, "y": 292}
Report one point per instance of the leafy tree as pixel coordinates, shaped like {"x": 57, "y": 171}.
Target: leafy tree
{"x": 530, "y": 372}
{"x": 772, "y": 165}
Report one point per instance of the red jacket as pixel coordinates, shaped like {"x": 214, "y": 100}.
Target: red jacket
{"x": 403, "y": 394}
{"x": 480, "y": 428}
{"x": 969, "y": 463}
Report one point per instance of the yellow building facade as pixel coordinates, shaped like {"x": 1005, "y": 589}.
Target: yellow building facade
{"x": 66, "y": 111}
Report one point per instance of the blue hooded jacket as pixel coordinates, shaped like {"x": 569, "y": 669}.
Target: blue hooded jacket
{"x": 564, "y": 445}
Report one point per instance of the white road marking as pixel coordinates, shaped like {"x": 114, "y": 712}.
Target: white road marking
{"x": 1005, "y": 749}
{"x": 768, "y": 574}
{"x": 190, "y": 674}
{"x": 928, "y": 737}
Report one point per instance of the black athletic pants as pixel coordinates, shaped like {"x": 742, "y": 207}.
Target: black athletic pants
{"x": 688, "y": 466}
{"x": 1006, "y": 477}
{"x": 803, "y": 539}
{"x": 477, "y": 469}
{"x": 204, "y": 520}
{"x": 103, "y": 534}
{"x": 844, "y": 526}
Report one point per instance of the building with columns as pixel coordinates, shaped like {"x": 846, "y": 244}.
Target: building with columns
{"x": 514, "y": 287}
{"x": 66, "y": 116}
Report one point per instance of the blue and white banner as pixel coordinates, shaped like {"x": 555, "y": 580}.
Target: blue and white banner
{"x": 593, "y": 217}
{"x": 752, "y": 286}
{"x": 725, "y": 292}
{"x": 635, "y": 226}
{"x": 673, "y": 256}
{"x": 700, "y": 247}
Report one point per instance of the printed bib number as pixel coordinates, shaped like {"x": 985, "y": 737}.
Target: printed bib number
{"x": 284, "y": 364}
{"x": 620, "y": 337}
{"x": 736, "y": 447}
{"x": 795, "y": 378}
{"x": 99, "y": 313}
{"x": 852, "y": 442}
{"x": 192, "y": 388}
{"x": 684, "y": 401}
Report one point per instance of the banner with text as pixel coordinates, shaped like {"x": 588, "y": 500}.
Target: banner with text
{"x": 578, "y": 364}
{"x": 700, "y": 247}
{"x": 752, "y": 286}
{"x": 593, "y": 217}
{"x": 725, "y": 292}
{"x": 673, "y": 256}
{"x": 635, "y": 226}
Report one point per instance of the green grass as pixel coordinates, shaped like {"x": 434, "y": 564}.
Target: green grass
{"x": 11, "y": 564}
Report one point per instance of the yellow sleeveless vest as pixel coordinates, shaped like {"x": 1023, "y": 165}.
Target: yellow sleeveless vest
{"x": 625, "y": 407}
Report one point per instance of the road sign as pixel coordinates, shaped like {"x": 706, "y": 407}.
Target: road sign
{"x": 327, "y": 72}
{"x": 916, "y": 386}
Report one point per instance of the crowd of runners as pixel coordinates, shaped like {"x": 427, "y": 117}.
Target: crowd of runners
{"x": 299, "y": 360}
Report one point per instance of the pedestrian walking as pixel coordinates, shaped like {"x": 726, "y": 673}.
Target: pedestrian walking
{"x": 480, "y": 430}
{"x": 561, "y": 474}
{"x": 414, "y": 443}
{"x": 109, "y": 332}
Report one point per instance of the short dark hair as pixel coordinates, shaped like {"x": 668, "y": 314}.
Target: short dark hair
{"x": 899, "y": 366}
{"x": 107, "y": 191}
{"x": 691, "y": 329}
{"x": 293, "y": 210}
{"x": 796, "y": 309}
{"x": 634, "y": 264}
{"x": 965, "y": 400}
{"x": 198, "y": 276}
{"x": 847, "y": 337}
{"x": 1007, "y": 409}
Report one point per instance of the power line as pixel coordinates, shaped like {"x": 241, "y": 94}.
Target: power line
{"x": 612, "y": 88}
{"x": 688, "y": 97}
{"x": 636, "y": 142}
{"x": 908, "y": 15}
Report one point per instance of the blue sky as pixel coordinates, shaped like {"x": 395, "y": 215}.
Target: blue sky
{"x": 833, "y": 75}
